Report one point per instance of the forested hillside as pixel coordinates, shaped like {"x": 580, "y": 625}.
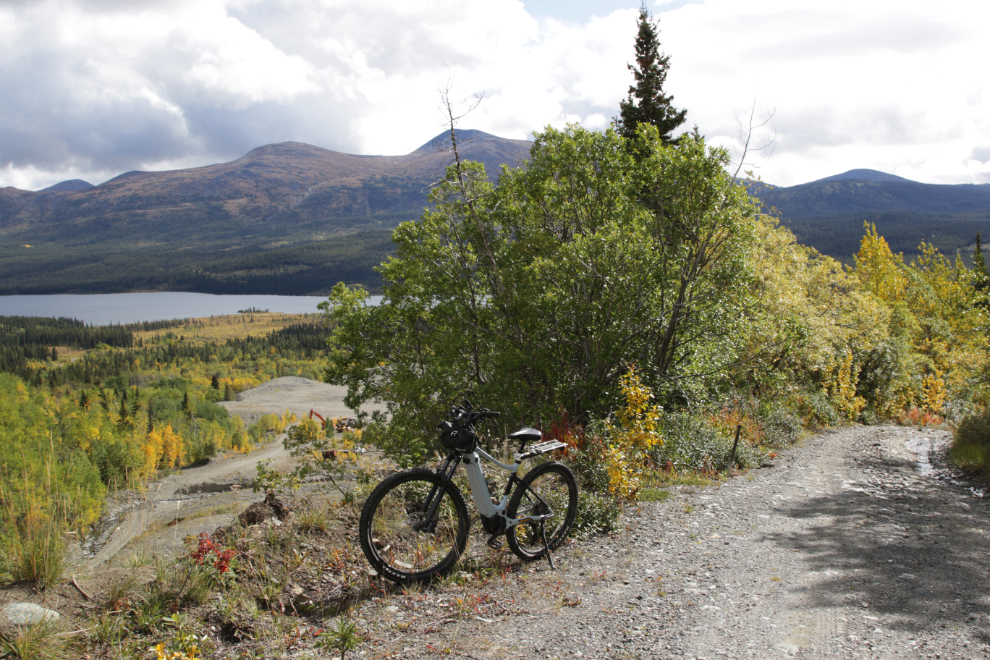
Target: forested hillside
{"x": 292, "y": 218}
{"x": 85, "y": 410}
{"x": 829, "y": 214}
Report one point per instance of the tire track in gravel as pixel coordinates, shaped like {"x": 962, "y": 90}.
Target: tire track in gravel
{"x": 842, "y": 550}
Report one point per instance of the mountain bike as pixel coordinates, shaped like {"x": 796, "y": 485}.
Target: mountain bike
{"x": 414, "y": 525}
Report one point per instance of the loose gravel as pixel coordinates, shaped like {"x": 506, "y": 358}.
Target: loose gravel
{"x": 856, "y": 544}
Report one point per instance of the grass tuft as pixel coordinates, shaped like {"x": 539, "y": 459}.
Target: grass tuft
{"x": 40, "y": 641}
{"x": 40, "y": 555}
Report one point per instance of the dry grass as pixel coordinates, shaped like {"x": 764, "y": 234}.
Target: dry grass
{"x": 40, "y": 641}
{"x": 234, "y": 326}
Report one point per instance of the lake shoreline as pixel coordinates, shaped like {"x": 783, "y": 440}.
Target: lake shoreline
{"x": 102, "y": 309}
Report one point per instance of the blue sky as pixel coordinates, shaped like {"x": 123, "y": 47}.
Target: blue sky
{"x": 93, "y": 88}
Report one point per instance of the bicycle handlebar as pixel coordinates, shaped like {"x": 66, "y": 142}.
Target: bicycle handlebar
{"x": 465, "y": 414}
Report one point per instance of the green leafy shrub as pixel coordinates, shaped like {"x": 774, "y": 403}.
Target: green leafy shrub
{"x": 780, "y": 425}
{"x": 267, "y": 423}
{"x": 695, "y": 444}
{"x": 118, "y": 461}
{"x": 598, "y": 508}
{"x": 816, "y": 411}
{"x": 211, "y": 411}
{"x": 971, "y": 443}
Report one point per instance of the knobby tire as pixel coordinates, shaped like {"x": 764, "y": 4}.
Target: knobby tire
{"x": 555, "y": 485}
{"x": 393, "y": 547}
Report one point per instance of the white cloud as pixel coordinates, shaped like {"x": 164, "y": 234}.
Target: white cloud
{"x": 91, "y": 88}
{"x": 878, "y": 85}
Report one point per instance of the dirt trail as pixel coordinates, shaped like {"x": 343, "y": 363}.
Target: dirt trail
{"x": 850, "y": 547}
{"x": 199, "y": 499}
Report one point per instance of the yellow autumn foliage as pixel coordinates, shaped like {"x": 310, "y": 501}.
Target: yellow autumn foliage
{"x": 634, "y": 430}
{"x": 163, "y": 448}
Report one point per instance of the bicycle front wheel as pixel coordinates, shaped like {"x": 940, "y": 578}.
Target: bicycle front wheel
{"x": 396, "y": 536}
{"x": 549, "y": 488}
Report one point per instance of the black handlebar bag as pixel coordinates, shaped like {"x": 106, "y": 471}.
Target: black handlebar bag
{"x": 455, "y": 437}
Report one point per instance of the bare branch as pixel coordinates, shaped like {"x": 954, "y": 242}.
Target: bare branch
{"x": 748, "y": 130}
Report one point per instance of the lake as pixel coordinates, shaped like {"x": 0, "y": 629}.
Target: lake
{"x": 108, "y": 308}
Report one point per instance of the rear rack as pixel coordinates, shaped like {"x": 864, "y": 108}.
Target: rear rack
{"x": 542, "y": 448}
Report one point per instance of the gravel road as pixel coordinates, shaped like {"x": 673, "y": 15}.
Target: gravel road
{"x": 854, "y": 545}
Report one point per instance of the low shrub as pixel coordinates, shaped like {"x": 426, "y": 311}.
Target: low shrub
{"x": 598, "y": 507}
{"x": 696, "y": 444}
{"x": 816, "y": 410}
{"x": 780, "y": 425}
{"x": 974, "y": 429}
{"x": 971, "y": 444}
{"x": 118, "y": 460}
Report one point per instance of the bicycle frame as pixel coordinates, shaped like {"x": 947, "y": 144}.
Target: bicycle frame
{"x": 479, "y": 487}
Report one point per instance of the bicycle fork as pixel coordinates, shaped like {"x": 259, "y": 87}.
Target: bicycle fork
{"x": 446, "y": 471}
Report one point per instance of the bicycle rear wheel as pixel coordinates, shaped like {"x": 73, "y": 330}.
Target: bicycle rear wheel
{"x": 547, "y": 488}
{"x": 396, "y": 537}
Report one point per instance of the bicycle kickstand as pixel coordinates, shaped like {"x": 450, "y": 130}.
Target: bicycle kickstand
{"x": 546, "y": 546}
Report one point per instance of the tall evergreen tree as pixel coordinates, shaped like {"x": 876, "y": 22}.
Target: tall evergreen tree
{"x": 647, "y": 102}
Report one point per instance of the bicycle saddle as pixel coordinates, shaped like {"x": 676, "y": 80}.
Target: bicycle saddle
{"x": 526, "y": 435}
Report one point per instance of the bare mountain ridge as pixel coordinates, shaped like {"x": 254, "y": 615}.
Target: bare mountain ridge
{"x": 71, "y": 184}
{"x": 264, "y": 185}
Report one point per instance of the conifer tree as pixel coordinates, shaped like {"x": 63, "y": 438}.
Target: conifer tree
{"x": 647, "y": 102}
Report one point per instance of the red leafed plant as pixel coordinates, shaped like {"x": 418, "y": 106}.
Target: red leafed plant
{"x": 211, "y": 553}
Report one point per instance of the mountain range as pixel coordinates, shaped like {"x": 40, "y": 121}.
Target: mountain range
{"x": 285, "y": 218}
{"x": 828, "y": 214}
{"x": 293, "y": 218}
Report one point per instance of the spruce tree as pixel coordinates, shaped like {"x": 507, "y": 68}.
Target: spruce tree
{"x": 647, "y": 102}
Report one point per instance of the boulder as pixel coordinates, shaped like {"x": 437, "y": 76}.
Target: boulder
{"x": 256, "y": 514}
{"x": 27, "y": 614}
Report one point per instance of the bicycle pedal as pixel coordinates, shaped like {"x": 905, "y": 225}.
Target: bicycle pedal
{"x": 496, "y": 541}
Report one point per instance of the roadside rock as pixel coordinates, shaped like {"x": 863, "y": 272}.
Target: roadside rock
{"x": 263, "y": 511}
{"x": 256, "y": 514}
{"x": 26, "y": 614}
